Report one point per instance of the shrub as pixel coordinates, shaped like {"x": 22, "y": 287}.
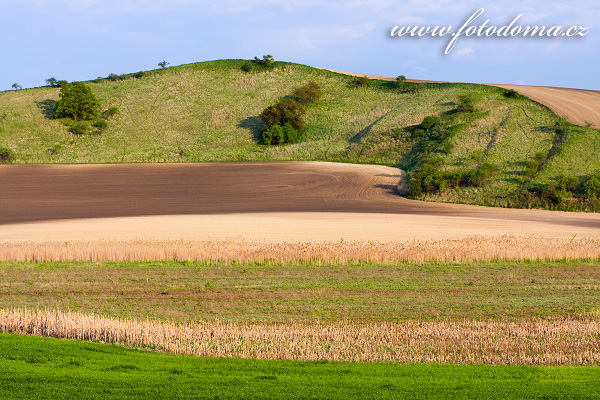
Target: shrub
{"x": 77, "y": 102}
{"x": 567, "y": 182}
{"x": 560, "y": 126}
{"x": 411, "y": 87}
{"x": 113, "y": 77}
{"x": 6, "y": 155}
{"x": 481, "y": 174}
{"x": 429, "y": 122}
{"x": 428, "y": 179}
{"x": 100, "y": 124}
{"x": 111, "y": 112}
{"x": 466, "y": 104}
{"x": 79, "y": 128}
{"x": 512, "y": 94}
{"x": 400, "y": 81}
{"x": 285, "y": 111}
{"x": 273, "y": 134}
{"x": 62, "y": 83}
{"x": 308, "y": 93}
{"x": 267, "y": 61}
{"x": 531, "y": 167}
{"x": 592, "y": 185}
{"x": 291, "y": 133}
{"x": 362, "y": 81}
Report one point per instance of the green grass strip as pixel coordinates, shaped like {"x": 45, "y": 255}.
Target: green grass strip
{"x": 41, "y": 368}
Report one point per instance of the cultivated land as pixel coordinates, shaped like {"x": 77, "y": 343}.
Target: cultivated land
{"x": 298, "y": 260}
{"x": 51, "y": 369}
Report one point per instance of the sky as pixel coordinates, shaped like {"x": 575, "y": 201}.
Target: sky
{"x": 84, "y": 39}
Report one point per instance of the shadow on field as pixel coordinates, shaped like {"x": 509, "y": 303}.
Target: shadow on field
{"x": 254, "y": 125}
{"x": 47, "y": 107}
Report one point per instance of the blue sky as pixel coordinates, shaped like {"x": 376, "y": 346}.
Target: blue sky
{"x": 84, "y": 39}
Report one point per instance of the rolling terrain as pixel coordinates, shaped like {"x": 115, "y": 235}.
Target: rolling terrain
{"x": 208, "y": 112}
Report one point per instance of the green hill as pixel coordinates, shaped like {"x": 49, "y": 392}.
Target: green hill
{"x": 208, "y": 112}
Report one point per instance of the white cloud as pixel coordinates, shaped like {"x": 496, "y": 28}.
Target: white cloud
{"x": 467, "y": 51}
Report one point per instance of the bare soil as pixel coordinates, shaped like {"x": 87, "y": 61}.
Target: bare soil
{"x": 283, "y": 201}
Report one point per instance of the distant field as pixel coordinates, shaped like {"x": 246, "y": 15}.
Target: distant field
{"x": 35, "y": 368}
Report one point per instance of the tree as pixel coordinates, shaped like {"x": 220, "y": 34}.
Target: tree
{"x": 77, "y": 102}
{"x": 266, "y": 61}
{"x": 163, "y": 64}
{"x": 285, "y": 111}
{"x": 16, "y": 86}
{"x": 400, "y": 81}
{"x": 52, "y": 82}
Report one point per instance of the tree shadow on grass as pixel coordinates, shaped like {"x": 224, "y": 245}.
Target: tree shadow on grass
{"x": 47, "y": 107}
{"x": 254, "y": 125}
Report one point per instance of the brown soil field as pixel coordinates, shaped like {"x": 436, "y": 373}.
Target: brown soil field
{"x": 284, "y": 201}
{"x": 577, "y": 105}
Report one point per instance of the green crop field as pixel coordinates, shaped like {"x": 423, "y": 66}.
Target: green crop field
{"x": 35, "y": 368}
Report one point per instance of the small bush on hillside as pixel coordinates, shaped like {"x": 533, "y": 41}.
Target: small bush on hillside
{"x": 560, "y": 126}
{"x": 567, "y": 182}
{"x": 111, "y": 112}
{"x": 400, "y": 81}
{"x": 592, "y": 185}
{"x": 481, "y": 174}
{"x": 466, "y": 104}
{"x": 308, "y": 93}
{"x": 77, "y": 102}
{"x": 6, "y": 155}
{"x": 273, "y": 135}
{"x": 285, "y": 111}
{"x": 100, "y": 124}
{"x": 113, "y": 77}
{"x": 266, "y": 61}
{"x": 291, "y": 134}
{"x": 512, "y": 94}
{"x": 429, "y": 122}
{"x": 80, "y": 128}
{"x": 361, "y": 81}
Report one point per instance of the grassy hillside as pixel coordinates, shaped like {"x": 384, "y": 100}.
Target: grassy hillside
{"x": 209, "y": 111}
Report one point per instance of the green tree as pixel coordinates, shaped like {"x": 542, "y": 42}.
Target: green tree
{"x": 52, "y": 82}
{"x": 267, "y": 61}
{"x": 163, "y": 64}
{"x": 400, "y": 81}
{"x": 77, "y": 102}
{"x": 285, "y": 111}
{"x": 16, "y": 86}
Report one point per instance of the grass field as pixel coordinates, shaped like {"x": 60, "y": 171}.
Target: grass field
{"x": 533, "y": 313}
{"x": 208, "y": 112}
{"x": 35, "y": 368}
{"x": 196, "y": 291}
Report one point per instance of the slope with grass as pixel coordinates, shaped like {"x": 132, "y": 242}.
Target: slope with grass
{"x": 209, "y": 112}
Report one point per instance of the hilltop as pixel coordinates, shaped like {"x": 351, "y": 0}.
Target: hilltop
{"x": 483, "y": 146}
